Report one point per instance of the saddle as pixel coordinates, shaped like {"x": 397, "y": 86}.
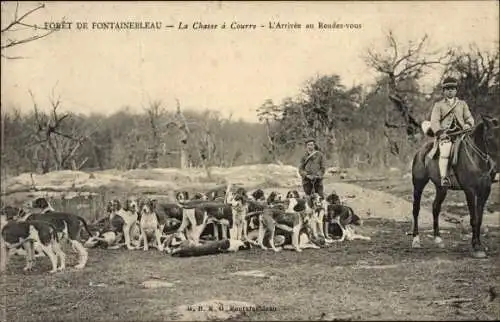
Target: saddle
{"x": 434, "y": 154}
{"x": 434, "y": 151}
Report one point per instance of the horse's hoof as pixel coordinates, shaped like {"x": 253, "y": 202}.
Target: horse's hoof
{"x": 439, "y": 242}
{"x": 79, "y": 266}
{"x": 416, "y": 244}
{"x": 479, "y": 254}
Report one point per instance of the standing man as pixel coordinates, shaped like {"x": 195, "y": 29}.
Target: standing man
{"x": 449, "y": 114}
{"x": 312, "y": 169}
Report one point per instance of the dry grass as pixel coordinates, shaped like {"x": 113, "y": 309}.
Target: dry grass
{"x": 381, "y": 279}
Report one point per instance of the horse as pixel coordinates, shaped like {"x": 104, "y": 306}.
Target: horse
{"x": 474, "y": 172}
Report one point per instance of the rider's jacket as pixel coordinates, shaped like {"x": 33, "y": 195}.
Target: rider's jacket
{"x": 445, "y": 111}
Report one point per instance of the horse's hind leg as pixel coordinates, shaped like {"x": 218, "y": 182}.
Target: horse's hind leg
{"x": 418, "y": 187}
{"x": 483, "y": 197}
{"x": 436, "y": 209}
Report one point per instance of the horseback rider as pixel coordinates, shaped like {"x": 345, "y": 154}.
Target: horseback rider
{"x": 449, "y": 114}
{"x": 312, "y": 169}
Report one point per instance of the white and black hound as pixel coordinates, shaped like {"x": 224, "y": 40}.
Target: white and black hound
{"x": 31, "y": 234}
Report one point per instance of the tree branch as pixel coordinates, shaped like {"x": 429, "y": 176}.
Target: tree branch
{"x": 13, "y": 43}
{"x": 18, "y": 20}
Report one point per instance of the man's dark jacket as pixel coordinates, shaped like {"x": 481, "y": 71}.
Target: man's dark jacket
{"x": 312, "y": 164}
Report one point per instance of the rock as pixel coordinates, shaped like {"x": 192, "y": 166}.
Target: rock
{"x": 253, "y": 273}
{"x": 98, "y": 284}
{"x": 156, "y": 284}
{"x": 333, "y": 170}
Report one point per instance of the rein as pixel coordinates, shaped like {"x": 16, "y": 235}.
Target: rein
{"x": 483, "y": 156}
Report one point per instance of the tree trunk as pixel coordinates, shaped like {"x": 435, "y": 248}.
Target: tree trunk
{"x": 3, "y": 255}
{"x": 184, "y": 157}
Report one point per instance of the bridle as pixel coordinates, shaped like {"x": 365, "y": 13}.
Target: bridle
{"x": 469, "y": 142}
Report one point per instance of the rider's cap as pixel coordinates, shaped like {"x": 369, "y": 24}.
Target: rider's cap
{"x": 309, "y": 140}
{"x": 450, "y": 82}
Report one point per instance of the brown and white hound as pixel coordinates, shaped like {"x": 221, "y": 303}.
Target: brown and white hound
{"x": 38, "y": 205}
{"x": 239, "y": 210}
{"x": 291, "y": 222}
{"x": 127, "y": 223}
{"x": 197, "y": 214}
{"x": 275, "y": 197}
{"x": 292, "y": 194}
{"x": 343, "y": 216}
{"x": 258, "y": 195}
{"x": 150, "y": 224}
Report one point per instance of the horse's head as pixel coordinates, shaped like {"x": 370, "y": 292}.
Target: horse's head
{"x": 486, "y": 134}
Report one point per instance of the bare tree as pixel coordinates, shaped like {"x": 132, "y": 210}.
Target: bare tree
{"x": 58, "y": 136}
{"x": 185, "y": 135}
{"x": 399, "y": 63}
{"x": 479, "y": 74}
{"x": 17, "y": 26}
{"x": 155, "y": 111}
{"x": 269, "y": 113}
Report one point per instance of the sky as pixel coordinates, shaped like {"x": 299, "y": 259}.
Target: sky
{"x": 232, "y": 71}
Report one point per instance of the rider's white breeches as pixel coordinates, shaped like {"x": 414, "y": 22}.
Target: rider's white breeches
{"x": 444, "y": 155}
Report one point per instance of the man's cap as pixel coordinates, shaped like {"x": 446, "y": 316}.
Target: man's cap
{"x": 309, "y": 140}
{"x": 450, "y": 82}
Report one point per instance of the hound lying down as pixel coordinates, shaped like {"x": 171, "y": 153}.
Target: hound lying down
{"x": 189, "y": 248}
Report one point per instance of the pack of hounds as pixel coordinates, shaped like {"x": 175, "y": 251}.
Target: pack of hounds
{"x": 226, "y": 220}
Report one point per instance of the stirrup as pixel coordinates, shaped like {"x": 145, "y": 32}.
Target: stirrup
{"x": 445, "y": 182}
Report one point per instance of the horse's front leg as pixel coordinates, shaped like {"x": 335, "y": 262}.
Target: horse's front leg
{"x": 475, "y": 206}
{"x": 418, "y": 188}
{"x": 436, "y": 209}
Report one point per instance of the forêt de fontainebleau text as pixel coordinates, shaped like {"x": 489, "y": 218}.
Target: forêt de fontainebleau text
{"x": 197, "y": 25}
